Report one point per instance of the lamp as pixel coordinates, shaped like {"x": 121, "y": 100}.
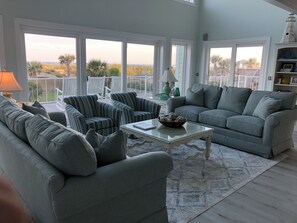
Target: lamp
{"x": 8, "y": 84}
{"x": 167, "y": 77}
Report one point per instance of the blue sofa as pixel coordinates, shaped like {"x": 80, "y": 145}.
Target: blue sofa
{"x": 54, "y": 170}
{"x": 259, "y": 122}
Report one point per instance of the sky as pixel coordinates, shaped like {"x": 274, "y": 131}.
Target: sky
{"x": 241, "y": 54}
{"x": 43, "y": 48}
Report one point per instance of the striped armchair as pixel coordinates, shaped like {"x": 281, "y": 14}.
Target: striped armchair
{"x": 85, "y": 112}
{"x": 134, "y": 109}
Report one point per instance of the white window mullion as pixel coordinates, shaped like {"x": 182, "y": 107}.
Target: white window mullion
{"x": 81, "y": 65}
{"x": 232, "y": 67}
{"x": 124, "y": 67}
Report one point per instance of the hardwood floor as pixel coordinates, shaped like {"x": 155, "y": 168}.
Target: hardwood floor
{"x": 269, "y": 198}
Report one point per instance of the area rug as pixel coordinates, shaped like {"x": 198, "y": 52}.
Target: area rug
{"x": 193, "y": 186}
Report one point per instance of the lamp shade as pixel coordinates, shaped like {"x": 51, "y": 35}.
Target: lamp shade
{"x": 8, "y": 83}
{"x": 168, "y": 76}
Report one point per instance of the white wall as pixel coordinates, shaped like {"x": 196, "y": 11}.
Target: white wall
{"x": 233, "y": 19}
{"x": 166, "y": 18}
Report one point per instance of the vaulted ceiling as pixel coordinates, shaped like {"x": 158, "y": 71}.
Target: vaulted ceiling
{"x": 289, "y": 5}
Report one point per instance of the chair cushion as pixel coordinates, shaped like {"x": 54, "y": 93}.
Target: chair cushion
{"x": 99, "y": 123}
{"x": 267, "y": 106}
{"x": 190, "y": 112}
{"x": 288, "y": 100}
{"x": 211, "y": 94}
{"x": 234, "y": 99}
{"x": 195, "y": 98}
{"x": 142, "y": 115}
{"x": 128, "y": 98}
{"x": 216, "y": 117}
{"x": 36, "y": 108}
{"x": 246, "y": 124}
{"x": 64, "y": 148}
{"x": 108, "y": 149}
{"x": 15, "y": 121}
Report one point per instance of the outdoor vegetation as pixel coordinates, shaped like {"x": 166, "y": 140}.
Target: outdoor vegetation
{"x": 45, "y": 77}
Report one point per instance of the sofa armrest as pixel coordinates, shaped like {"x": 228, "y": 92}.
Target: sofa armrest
{"x": 149, "y": 106}
{"x": 76, "y": 119}
{"x": 173, "y": 103}
{"x": 127, "y": 112}
{"x": 58, "y": 117}
{"x": 279, "y": 127}
{"x": 114, "y": 180}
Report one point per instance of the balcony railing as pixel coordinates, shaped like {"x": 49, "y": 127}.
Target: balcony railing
{"x": 240, "y": 81}
{"x": 44, "y": 89}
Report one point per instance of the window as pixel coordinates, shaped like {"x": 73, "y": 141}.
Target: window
{"x": 51, "y": 65}
{"x": 189, "y": 2}
{"x": 239, "y": 64}
{"x": 180, "y": 63}
{"x": 133, "y": 61}
{"x": 2, "y": 53}
{"x": 140, "y": 69}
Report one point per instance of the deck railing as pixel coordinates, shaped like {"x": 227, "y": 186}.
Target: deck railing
{"x": 44, "y": 89}
{"x": 240, "y": 81}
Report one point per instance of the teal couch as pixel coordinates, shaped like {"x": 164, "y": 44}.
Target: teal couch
{"x": 240, "y": 117}
{"x": 54, "y": 170}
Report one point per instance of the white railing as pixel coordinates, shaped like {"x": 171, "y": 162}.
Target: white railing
{"x": 44, "y": 89}
{"x": 240, "y": 81}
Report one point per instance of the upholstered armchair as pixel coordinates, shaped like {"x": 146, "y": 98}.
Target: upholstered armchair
{"x": 85, "y": 112}
{"x": 134, "y": 109}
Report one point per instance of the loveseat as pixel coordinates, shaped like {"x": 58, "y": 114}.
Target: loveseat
{"x": 259, "y": 122}
{"x": 55, "y": 171}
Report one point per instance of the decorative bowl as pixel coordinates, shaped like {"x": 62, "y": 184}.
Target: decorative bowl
{"x": 172, "y": 124}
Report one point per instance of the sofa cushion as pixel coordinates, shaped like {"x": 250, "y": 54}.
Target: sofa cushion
{"x": 267, "y": 106}
{"x": 109, "y": 149}
{"x": 36, "y": 108}
{"x": 15, "y": 121}
{"x": 234, "y": 99}
{"x": 99, "y": 123}
{"x": 288, "y": 100}
{"x": 64, "y": 148}
{"x": 246, "y": 124}
{"x": 211, "y": 94}
{"x": 5, "y": 105}
{"x": 216, "y": 117}
{"x": 195, "y": 98}
{"x": 190, "y": 112}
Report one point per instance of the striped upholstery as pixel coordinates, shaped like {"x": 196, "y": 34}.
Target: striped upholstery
{"x": 134, "y": 109}
{"x": 85, "y": 112}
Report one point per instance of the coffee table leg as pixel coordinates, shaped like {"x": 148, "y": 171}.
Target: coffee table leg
{"x": 207, "y": 146}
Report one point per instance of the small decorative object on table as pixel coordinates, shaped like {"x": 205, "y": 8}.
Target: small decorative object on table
{"x": 172, "y": 120}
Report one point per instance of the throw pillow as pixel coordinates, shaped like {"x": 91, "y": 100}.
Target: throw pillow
{"x": 267, "y": 106}
{"x": 35, "y": 109}
{"x": 109, "y": 149}
{"x": 195, "y": 98}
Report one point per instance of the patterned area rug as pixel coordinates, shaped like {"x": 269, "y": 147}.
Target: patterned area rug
{"x": 193, "y": 186}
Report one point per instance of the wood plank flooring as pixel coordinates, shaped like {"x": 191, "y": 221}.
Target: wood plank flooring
{"x": 269, "y": 198}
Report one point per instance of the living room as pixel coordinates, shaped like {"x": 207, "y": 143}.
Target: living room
{"x": 157, "y": 23}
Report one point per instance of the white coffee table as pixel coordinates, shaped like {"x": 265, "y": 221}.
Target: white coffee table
{"x": 170, "y": 137}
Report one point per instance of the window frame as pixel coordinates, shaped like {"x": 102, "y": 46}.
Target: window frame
{"x": 82, "y": 33}
{"x": 207, "y": 45}
{"x": 2, "y": 46}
